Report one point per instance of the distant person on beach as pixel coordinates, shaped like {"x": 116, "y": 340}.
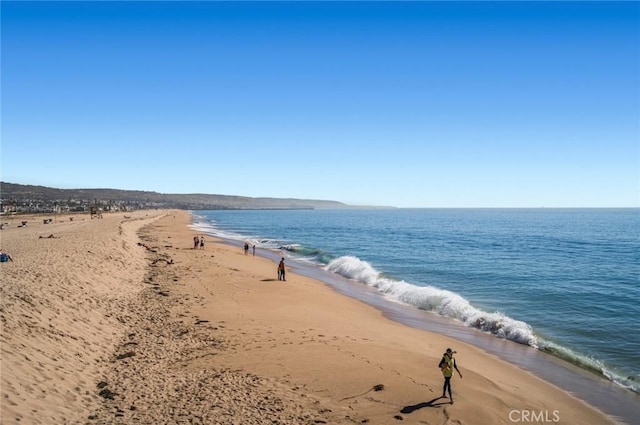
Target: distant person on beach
{"x": 447, "y": 365}
{"x": 254, "y": 250}
{"x": 196, "y": 241}
{"x": 246, "y": 248}
{"x": 201, "y": 242}
{"x": 281, "y": 270}
{"x": 4, "y": 257}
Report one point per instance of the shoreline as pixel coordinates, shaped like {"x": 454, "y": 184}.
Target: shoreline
{"x": 478, "y": 291}
{"x": 122, "y": 321}
{"x": 621, "y": 404}
{"x": 593, "y": 388}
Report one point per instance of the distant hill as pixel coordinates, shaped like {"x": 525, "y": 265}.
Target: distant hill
{"x": 17, "y": 193}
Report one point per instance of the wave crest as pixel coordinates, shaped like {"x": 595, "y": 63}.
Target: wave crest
{"x": 443, "y": 302}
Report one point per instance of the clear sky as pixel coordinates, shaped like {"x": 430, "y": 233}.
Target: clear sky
{"x": 408, "y": 104}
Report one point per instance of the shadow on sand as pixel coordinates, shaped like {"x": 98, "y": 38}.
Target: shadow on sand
{"x": 430, "y": 403}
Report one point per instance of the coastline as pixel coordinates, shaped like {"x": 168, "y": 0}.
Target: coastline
{"x": 112, "y": 332}
{"x": 597, "y": 390}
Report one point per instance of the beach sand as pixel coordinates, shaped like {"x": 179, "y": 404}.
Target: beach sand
{"x": 97, "y": 328}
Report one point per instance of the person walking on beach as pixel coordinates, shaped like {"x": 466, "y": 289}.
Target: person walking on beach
{"x": 254, "y": 250}
{"x": 201, "y": 242}
{"x": 281, "y": 270}
{"x": 195, "y": 242}
{"x": 447, "y": 365}
{"x": 246, "y": 248}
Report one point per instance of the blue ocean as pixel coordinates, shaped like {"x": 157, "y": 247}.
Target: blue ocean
{"x": 564, "y": 281}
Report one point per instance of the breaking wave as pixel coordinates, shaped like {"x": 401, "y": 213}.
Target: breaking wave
{"x": 443, "y": 302}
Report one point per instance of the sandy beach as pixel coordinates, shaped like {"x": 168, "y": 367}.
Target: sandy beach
{"x": 120, "y": 320}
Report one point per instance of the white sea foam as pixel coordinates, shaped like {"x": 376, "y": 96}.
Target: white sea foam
{"x": 443, "y": 302}
{"x": 208, "y": 227}
{"x": 201, "y": 227}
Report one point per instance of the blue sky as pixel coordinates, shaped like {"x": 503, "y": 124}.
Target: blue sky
{"x": 408, "y": 104}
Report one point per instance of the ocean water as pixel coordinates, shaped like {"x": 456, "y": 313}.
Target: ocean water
{"x": 565, "y": 281}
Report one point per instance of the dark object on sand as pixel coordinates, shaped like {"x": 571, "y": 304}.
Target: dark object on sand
{"x": 378, "y": 387}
